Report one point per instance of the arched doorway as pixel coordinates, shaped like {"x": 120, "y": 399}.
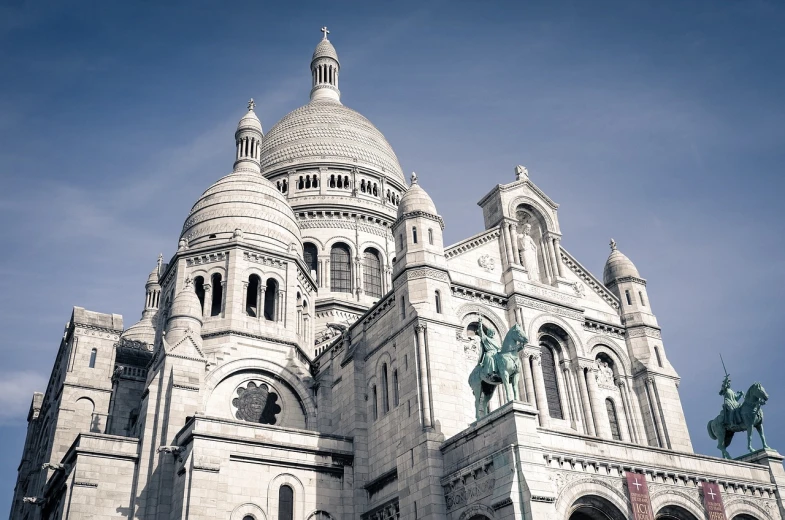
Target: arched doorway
{"x": 593, "y": 507}
{"x": 672, "y": 512}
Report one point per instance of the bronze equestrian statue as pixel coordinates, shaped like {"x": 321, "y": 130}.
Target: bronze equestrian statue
{"x": 738, "y": 417}
{"x": 497, "y": 365}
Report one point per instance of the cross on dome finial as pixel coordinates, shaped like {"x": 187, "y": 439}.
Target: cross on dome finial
{"x": 414, "y": 178}
{"x": 325, "y": 31}
{"x": 251, "y": 105}
{"x": 613, "y": 245}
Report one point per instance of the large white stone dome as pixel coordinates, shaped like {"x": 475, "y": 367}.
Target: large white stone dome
{"x": 324, "y": 130}
{"x": 248, "y": 202}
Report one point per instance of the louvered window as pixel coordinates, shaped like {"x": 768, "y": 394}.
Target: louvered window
{"x": 551, "y": 383}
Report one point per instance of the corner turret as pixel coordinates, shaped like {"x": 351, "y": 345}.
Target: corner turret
{"x": 248, "y": 139}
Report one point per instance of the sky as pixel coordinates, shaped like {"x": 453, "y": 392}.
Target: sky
{"x": 659, "y": 124}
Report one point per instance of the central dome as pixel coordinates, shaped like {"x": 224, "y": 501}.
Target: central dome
{"x": 326, "y": 130}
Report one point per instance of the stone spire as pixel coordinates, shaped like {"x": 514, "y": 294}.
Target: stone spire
{"x": 324, "y": 71}
{"x": 248, "y": 139}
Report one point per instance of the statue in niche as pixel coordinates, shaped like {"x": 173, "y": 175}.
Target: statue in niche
{"x": 528, "y": 253}
{"x": 604, "y": 373}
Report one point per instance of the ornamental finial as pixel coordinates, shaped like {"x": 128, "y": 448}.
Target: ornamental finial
{"x": 414, "y": 178}
{"x": 251, "y": 105}
{"x": 325, "y": 31}
{"x": 613, "y": 245}
{"x": 160, "y": 262}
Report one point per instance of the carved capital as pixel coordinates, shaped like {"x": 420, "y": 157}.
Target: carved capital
{"x": 420, "y": 327}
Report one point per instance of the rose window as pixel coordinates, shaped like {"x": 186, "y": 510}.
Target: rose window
{"x": 256, "y": 403}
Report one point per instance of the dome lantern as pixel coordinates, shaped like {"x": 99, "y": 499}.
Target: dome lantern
{"x": 248, "y": 140}
{"x": 325, "y": 68}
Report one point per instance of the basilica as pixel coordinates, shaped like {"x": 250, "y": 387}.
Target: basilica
{"x": 306, "y": 352}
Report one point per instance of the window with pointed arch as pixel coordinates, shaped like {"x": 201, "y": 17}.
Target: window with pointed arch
{"x": 340, "y": 269}
{"x": 285, "y": 503}
{"x": 372, "y": 273}
{"x": 613, "y": 419}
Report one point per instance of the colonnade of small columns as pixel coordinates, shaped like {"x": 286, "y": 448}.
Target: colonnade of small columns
{"x": 581, "y": 399}
{"x": 248, "y": 147}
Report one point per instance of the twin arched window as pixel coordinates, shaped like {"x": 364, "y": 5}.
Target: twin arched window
{"x": 340, "y": 269}
{"x": 254, "y": 296}
{"x": 372, "y": 273}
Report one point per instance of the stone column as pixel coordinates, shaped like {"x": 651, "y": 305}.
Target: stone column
{"x": 585, "y": 401}
{"x": 507, "y": 244}
{"x": 554, "y": 265}
{"x": 327, "y": 274}
{"x": 629, "y": 412}
{"x": 260, "y": 305}
{"x": 563, "y": 394}
{"x": 208, "y": 300}
{"x": 656, "y": 412}
{"x": 516, "y": 257}
{"x": 359, "y": 270}
{"x": 557, "y": 247}
{"x": 598, "y": 405}
{"x": 539, "y": 384}
{"x": 624, "y": 422}
{"x": 422, "y": 368}
{"x": 571, "y": 393}
{"x": 528, "y": 379}
{"x": 637, "y": 415}
{"x": 244, "y": 300}
{"x": 222, "y": 310}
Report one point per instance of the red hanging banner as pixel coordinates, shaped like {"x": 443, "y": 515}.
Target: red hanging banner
{"x": 639, "y": 497}
{"x": 713, "y": 501}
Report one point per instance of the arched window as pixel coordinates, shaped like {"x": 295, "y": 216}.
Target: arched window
{"x": 400, "y": 241}
{"x": 643, "y": 301}
{"x": 311, "y": 257}
{"x": 252, "y": 296}
{"x": 657, "y": 354}
{"x": 93, "y": 354}
{"x": 340, "y": 269}
{"x": 199, "y": 288}
{"x": 613, "y": 419}
{"x": 285, "y": 503}
{"x": 248, "y": 517}
{"x": 438, "y": 299}
{"x": 375, "y": 403}
{"x": 627, "y": 294}
{"x": 414, "y": 235}
{"x": 372, "y": 273}
{"x": 270, "y": 299}
{"x": 551, "y": 383}
{"x": 218, "y": 292}
{"x": 430, "y": 236}
{"x": 395, "y": 387}
{"x": 385, "y": 391}
{"x": 403, "y": 307}
{"x": 315, "y": 182}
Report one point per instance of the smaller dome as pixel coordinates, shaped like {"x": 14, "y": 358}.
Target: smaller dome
{"x": 618, "y": 266}
{"x": 416, "y": 200}
{"x": 325, "y": 49}
{"x": 250, "y": 121}
{"x": 153, "y": 278}
{"x": 143, "y": 330}
{"x": 186, "y": 304}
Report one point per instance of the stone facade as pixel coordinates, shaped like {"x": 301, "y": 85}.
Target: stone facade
{"x": 305, "y": 354}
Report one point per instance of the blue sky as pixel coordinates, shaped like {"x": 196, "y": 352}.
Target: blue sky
{"x": 657, "y": 123}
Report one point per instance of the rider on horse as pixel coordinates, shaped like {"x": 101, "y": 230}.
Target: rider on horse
{"x": 489, "y": 345}
{"x": 730, "y": 403}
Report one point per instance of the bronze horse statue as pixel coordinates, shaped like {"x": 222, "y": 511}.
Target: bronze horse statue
{"x": 505, "y": 370}
{"x": 747, "y": 416}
